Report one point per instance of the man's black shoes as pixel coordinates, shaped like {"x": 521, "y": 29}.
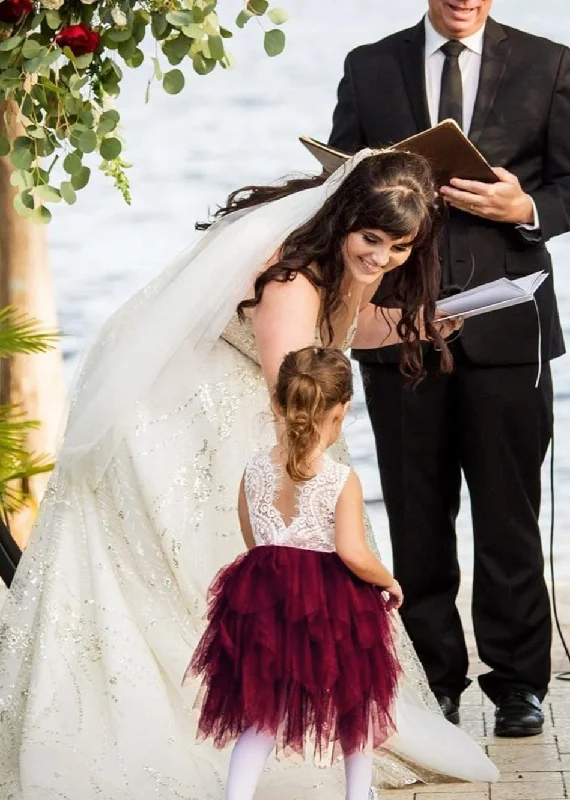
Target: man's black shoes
{"x": 449, "y": 707}
{"x": 518, "y": 713}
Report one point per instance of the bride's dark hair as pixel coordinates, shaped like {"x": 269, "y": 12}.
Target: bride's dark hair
{"x": 392, "y": 191}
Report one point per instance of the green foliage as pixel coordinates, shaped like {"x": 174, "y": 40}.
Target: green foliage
{"x": 19, "y": 334}
{"x": 62, "y": 66}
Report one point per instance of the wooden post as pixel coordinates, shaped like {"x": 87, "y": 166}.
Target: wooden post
{"x": 34, "y": 381}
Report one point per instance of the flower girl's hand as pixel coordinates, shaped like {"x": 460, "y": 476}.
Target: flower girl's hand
{"x": 396, "y": 595}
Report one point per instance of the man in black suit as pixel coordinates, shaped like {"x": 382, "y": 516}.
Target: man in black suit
{"x": 510, "y": 91}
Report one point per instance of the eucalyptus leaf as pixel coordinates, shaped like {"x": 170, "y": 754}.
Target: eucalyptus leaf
{"x": 80, "y": 179}
{"x": 51, "y": 57}
{"x": 32, "y": 64}
{"x": 258, "y": 7}
{"x": 22, "y": 179}
{"x": 274, "y": 42}
{"x": 278, "y": 16}
{"x": 127, "y": 49}
{"x": 180, "y": 18}
{"x": 77, "y": 82}
{"x": 82, "y": 62}
{"x": 87, "y": 142}
{"x": 136, "y": 59}
{"x": 176, "y": 49}
{"x": 32, "y": 49}
{"x": 72, "y": 163}
{"x": 87, "y": 118}
{"x": 44, "y": 147}
{"x": 20, "y": 208}
{"x": 229, "y": 61}
{"x": 197, "y": 14}
{"x": 40, "y": 176}
{"x": 202, "y": 65}
{"x": 53, "y": 20}
{"x": 139, "y": 31}
{"x": 173, "y": 82}
{"x": 108, "y": 121}
{"x": 119, "y": 34}
{"x": 36, "y": 132}
{"x": 68, "y": 193}
{"x": 78, "y": 128}
{"x": 225, "y": 33}
{"x": 110, "y": 148}
{"x": 243, "y": 18}
{"x": 158, "y": 25}
{"x": 27, "y": 199}
{"x": 41, "y": 215}
{"x": 23, "y": 143}
{"x": 4, "y": 145}
{"x": 193, "y": 31}
{"x": 11, "y": 43}
{"x": 48, "y": 194}
{"x": 216, "y": 45}
{"x": 157, "y": 69}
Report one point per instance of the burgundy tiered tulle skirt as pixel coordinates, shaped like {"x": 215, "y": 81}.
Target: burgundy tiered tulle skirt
{"x": 300, "y": 647}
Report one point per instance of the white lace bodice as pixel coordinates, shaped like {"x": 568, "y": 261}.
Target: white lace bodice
{"x": 312, "y": 527}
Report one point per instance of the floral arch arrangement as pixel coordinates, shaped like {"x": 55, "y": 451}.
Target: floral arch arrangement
{"x": 61, "y": 66}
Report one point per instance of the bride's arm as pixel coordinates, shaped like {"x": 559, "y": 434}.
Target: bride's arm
{"x": 376, "y": 327}
{"x": 285, "y": 320}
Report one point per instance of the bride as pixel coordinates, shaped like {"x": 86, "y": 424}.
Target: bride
{"x": 108, "y": 600}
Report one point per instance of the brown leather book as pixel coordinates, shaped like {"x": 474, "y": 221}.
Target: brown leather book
{"x": 445, "y": 146}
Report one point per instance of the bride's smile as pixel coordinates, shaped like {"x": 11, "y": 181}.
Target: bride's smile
{"x": 370, "y": 253}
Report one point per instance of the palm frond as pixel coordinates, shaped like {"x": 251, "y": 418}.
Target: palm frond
{"x": 20, "y": 333}
{"x": 13, "y": 432}
{"x": 16, "y": 464}
{"x": 14, "y": 477}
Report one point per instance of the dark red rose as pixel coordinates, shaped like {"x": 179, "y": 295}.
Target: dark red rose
{"x": 79, "y": 38}
{"x": 13, "y": 10}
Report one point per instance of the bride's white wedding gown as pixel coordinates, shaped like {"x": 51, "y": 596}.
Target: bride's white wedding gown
{"x": 108, "y": 603}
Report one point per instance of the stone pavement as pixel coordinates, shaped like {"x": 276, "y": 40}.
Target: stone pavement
{"x": 534, "y": 768}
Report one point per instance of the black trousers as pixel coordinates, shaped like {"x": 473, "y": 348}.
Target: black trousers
{"x": 494, "y": 425}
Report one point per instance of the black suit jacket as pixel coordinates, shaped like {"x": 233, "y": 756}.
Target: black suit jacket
{"x": 521, "y": 122}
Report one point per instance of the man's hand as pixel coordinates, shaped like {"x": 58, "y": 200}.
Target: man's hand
{"x": 504, "y": 201}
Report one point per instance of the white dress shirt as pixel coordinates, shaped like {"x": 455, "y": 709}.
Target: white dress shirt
{"x": 470, "y": 66}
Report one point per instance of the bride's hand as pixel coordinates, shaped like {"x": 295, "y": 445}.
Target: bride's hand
{"x": 447, "y": 327}
{"x": 396, "y": 595}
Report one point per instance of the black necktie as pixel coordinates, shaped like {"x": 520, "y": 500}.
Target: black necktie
{"x": 451, "y": 98}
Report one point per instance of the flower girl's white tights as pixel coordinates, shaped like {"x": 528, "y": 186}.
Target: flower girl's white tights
{"x": 252, "y": 750}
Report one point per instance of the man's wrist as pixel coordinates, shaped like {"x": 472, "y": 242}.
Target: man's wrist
{"x": 528, "y": 215}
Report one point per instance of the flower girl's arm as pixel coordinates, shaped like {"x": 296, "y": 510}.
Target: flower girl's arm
{"x": 350, "y": 536}
{"x": 244, "y": 521}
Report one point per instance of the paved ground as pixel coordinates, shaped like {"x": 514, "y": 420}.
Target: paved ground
{"x": 535, "y": 768}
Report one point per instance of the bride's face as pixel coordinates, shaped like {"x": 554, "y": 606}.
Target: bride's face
{"x": 369, "y": 253}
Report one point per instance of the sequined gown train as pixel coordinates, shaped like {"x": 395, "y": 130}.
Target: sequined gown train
{"x": 108, "y": 604}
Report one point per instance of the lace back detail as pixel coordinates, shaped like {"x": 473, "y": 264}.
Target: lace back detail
{"x": 312, "y": 526}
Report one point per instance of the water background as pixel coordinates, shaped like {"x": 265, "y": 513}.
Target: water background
{"x": 229, "y": 129}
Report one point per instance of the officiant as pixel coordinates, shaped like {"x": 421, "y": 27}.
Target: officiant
{"x": 510, "y": 92}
